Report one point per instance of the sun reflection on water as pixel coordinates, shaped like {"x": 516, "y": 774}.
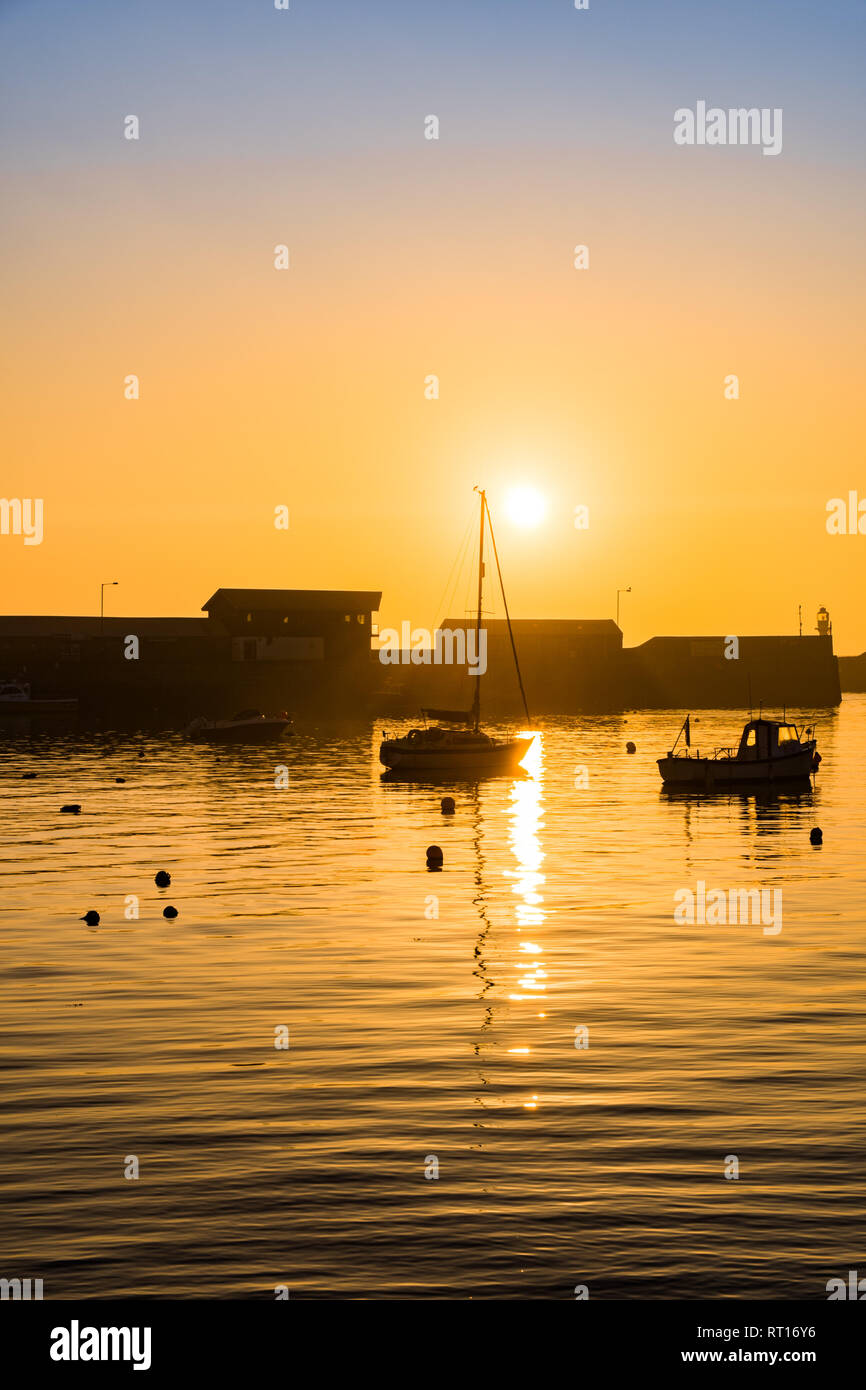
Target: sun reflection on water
{"x": 527, "y": 882}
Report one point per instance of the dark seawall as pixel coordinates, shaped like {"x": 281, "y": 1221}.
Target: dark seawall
{"x": 852, "y": 673}
{"x": 696, "y": 673}
{"x": 185, "y": 667}
{"x": 663, "y": 673}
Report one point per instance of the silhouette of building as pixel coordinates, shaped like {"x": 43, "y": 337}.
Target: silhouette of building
{"x": 269, "y": 648}
{"x": 308, "y": 651}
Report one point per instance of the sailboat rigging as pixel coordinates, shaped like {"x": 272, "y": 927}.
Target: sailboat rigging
{"x": 438, "y": 749}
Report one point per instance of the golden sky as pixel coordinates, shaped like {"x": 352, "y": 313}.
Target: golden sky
{"x": 305, "y": 387}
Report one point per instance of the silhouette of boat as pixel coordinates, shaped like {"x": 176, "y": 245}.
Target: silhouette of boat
{"x": 468, "y": 750}
{"x": 16, "y": 699}
{"x": 435, "y": 749}
{"x": 249, "y": 726}
{"x": 770, "y": 750}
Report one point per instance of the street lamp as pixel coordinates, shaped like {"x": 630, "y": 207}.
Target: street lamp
{"x": 618, "y": 592}
{"x": 102, "y": 588}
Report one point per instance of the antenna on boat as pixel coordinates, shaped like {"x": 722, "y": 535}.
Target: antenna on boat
{"x": 507, "y": 615}
{"x": 750, "y": 695}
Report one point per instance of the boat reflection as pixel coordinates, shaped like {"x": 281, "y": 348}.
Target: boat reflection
{"x": 794, "y": 790}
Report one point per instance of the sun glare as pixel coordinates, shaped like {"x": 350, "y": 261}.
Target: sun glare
{"x": 525, "y": 506}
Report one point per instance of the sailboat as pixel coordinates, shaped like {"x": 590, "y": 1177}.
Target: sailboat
{"x": 456, "y": 743}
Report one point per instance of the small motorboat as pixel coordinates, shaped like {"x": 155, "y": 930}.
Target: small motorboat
{"x": 16, "y": 699}
{"x": 249, "y": 726}
{"x": 770, "y": 750}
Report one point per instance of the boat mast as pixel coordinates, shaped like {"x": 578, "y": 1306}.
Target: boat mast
{"x": 476, "y": 702}
{"x": 507, "y": 615}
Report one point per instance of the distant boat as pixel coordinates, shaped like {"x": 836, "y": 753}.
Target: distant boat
{"x": 16, "y": 699}
{"x": 467, "y": 750}
{"x": 770, "y": 750}
{"x": 249, "y": 726}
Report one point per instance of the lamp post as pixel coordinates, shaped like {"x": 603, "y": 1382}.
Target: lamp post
{"x": 102, "y": 588}
{"x": 618, "y": 592}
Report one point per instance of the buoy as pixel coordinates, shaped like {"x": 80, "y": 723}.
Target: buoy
{"x": 630, "y": 747}
{"x": 169, "y": 912}
{"x": 162, "y": 879}
{"x": 120, "y": 779}
{"x": 816, "y": 835}
{"x": 28, "y": 775}
{"x": 73, "y": 808}
{"x": 447, "y": 804}
{"x": 434, "y": 855}
{"x": 91, "y": 918}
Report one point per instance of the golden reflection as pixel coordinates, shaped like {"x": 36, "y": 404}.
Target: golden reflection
{"x": 527, "y": 883}
{"x": 526, "y": 821}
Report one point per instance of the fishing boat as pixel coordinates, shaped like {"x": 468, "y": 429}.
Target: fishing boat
{"x": 248, "y": 726}
{"x": 456, "y": 743}
{"x": 770, "y": 750}
{"x": 16, "y": 698}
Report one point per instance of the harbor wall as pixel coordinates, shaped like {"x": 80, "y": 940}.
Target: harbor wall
{"x": 696, "y": 673}
{"x": 566, "y": 674}
{"x": 852, "y": 673}
{"x": 314, "y": 663}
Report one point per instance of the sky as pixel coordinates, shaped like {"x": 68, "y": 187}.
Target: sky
{"x": 409, "y": 258}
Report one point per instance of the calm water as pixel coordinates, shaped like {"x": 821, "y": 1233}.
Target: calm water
{"x": 414, "y": 1036}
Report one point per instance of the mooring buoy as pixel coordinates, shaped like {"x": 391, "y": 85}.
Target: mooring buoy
{"x": 447, "y": 804}
{"x": 91, "y": 918}
{"x": 816, "y": 835}
{"x": 630, "y": 747}
{"x": 169, "y": 912}
{"x": 162, "y": 879}
{"x": 73, "y": 808}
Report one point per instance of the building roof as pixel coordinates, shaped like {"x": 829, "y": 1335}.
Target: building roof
{"x": 296, "y": 600}
{"x": 563, "y": 627}
{"x": 85, "y": 625}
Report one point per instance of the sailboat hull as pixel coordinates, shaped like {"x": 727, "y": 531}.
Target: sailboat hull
{"x": 493, "y": 756}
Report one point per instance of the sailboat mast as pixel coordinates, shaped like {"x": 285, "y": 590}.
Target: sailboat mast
{"x": 476, "y": 702}
{"x": 507, "y": 614}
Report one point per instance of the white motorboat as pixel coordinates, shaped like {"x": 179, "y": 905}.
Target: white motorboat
{"x": 16, "y": 698}
{"x": 770, "y": 750}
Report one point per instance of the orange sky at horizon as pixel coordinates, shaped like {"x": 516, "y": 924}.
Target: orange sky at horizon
{"x": 306, "y": 387}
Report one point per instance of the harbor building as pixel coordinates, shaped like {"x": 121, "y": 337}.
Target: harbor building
{"x": 312, "y": 652}
{"x": 296, "y": 649}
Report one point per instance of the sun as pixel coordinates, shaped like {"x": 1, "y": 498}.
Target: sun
{"x": 525, "y": 506}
